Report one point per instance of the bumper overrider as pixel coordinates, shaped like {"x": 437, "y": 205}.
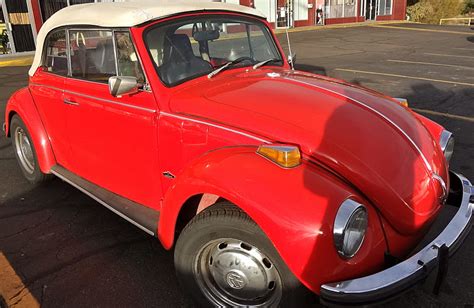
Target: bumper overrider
{"x": 396, "y": 279}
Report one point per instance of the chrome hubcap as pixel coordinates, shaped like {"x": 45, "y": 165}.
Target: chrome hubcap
{"x": 234, "y": 273}
{"x": 24, "y": 150}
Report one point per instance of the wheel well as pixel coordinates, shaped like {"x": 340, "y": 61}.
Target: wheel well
{"x": 10, "y": 116}
{"x": 192, "y": 207}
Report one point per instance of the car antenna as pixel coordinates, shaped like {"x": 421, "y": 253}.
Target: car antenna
{"x": 290, "y": 57}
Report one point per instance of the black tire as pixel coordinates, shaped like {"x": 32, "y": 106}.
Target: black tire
{"x": 33, "y": 172}
{"x": 223, "y": 222}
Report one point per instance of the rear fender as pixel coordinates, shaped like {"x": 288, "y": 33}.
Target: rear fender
{"x": 22, "y": 104}
{"x": 295, "y": 208}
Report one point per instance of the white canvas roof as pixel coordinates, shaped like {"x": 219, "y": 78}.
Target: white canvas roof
{"x": 126, "y": 14}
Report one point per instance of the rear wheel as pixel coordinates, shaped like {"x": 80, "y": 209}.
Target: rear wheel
{"x": 25, "y": 152}
{"x": 222, "y": 258}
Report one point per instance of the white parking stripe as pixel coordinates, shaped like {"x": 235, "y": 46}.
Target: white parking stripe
{"x": 445, "y": 55}
{"x": 434, "y": 64}
{"x": 447, "y": 115}
{"x": 470, "y": 49}
{"x": 406, "y": 77}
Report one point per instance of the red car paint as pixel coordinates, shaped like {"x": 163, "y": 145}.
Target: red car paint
{"x": 355, "y": 143}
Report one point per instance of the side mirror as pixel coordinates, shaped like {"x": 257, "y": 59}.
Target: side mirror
{"x": 292, "y": 59}
{"x": 123, "y": 85}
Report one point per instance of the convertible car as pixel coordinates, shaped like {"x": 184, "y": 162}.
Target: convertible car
{"x": 272, "y": 185}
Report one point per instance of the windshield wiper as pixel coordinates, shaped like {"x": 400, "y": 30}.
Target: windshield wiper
{"x": 223, "y": 67}
{"x": 259, "y": 64}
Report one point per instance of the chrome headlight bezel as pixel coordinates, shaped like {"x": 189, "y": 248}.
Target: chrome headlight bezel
{"x": 348, "y": 213}
{"x": 446, "y": 142}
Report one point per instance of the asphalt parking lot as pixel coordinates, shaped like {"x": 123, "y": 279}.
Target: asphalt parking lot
{"x": 60, "y": 248}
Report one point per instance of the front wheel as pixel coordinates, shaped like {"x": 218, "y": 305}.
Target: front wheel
{"x": 222, "y": 258}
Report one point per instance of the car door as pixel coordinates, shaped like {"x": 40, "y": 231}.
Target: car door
{"x": 113, "y": 139}
{"x": 47, "y": 89}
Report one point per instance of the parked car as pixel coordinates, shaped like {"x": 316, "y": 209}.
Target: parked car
{"x": 271, "y": 184}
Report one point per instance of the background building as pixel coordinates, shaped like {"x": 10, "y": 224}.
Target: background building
{"x": 23, "y": 18}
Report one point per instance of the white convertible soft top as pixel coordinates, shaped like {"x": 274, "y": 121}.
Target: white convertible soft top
{"x": 126, "y": 14}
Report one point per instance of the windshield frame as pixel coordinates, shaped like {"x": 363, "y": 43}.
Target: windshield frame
{"x": 193, "y": 17}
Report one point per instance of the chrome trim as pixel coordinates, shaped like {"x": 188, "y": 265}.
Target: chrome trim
{"x": 443, "y": 185}
{"x": 389, "y": 282}
{"x": 114, "y": 41}
{"x": 214, "y": 125}
{"x": 428, "y": 166}
{"x": 444, "y": 139}
{"x": 346, "y": 210}
{"x": 70, "y": 102}
{"x": 168, "y": 174}
{"x": 4, "y": 127}
{"x": 68, "y": 53}
{"x": 96, "y": 98}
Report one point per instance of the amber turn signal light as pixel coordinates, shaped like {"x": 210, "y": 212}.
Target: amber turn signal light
{"x": 402, "y": 101}
{"x": 286, "y": 156}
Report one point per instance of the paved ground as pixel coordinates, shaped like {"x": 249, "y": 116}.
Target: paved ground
{"x": 60, "y": 248}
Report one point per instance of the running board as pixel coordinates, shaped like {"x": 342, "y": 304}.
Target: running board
{"x": 141, "y": 216}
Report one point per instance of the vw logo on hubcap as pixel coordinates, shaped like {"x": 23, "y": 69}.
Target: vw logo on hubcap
{"x": 235, "y": 280}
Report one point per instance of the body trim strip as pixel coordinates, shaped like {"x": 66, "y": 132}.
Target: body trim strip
{"x": 96, "y": 98}
{"x": 215, "y": 125}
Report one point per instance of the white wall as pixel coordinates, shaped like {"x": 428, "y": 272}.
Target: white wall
{"x": 267, "y": 7}
{"x": 301, "y": 9}
{"x": 232, "y": 1}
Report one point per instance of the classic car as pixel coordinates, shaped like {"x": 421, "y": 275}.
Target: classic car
{"x": 271, "y": 184}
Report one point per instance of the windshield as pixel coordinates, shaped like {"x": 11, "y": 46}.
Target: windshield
{"x": 188, "y": 48}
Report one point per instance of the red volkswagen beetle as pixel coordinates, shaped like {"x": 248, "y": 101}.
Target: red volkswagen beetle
{"x": 271, "y": 184}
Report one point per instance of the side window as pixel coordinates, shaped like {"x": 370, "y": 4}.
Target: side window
{"x": 92, "y": 55}
{"x": 127, "y": 58}
{"x": 56, "y": 56}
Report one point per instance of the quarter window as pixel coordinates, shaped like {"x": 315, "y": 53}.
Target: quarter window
{"x": 92, "y": 55}
{"x": 127, "y": 58}
{"x": 56, "y": 55}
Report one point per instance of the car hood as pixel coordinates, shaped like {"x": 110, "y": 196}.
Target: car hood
{"x": 369, "y": 139}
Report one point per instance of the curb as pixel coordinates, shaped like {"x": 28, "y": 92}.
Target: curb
{"x": 345, "y": 25}
{"x": 17, "y": 61}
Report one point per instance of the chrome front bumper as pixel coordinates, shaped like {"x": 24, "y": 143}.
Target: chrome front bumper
{"x": 394, "y": 280}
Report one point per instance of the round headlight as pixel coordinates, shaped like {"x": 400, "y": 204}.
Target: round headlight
{"x": 349, "y": 228}
{"x": 446, "y": 142}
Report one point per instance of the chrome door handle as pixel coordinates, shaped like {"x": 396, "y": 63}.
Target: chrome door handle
{"x": 70, "y": 102}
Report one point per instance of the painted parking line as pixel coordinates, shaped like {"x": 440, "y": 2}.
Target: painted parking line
{"x": 431, "y": 63}
{"x": 420, "y": 29}
{"x": 443, "y": 114}
{"x": 16, "y": 62}
{"x": 406, "y": 77}
{"x": 445, "y": 55}
{"x": 470, "y": 49}
{"x": 12, "y": 288}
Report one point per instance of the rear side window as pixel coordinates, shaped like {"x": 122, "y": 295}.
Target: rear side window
{"x": 56, "y": 55}
{"x": 92, "y": 55}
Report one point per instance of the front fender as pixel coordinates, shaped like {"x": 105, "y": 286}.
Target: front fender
{"x": 22, "y": 104}
{"x": 295, "y": 208}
